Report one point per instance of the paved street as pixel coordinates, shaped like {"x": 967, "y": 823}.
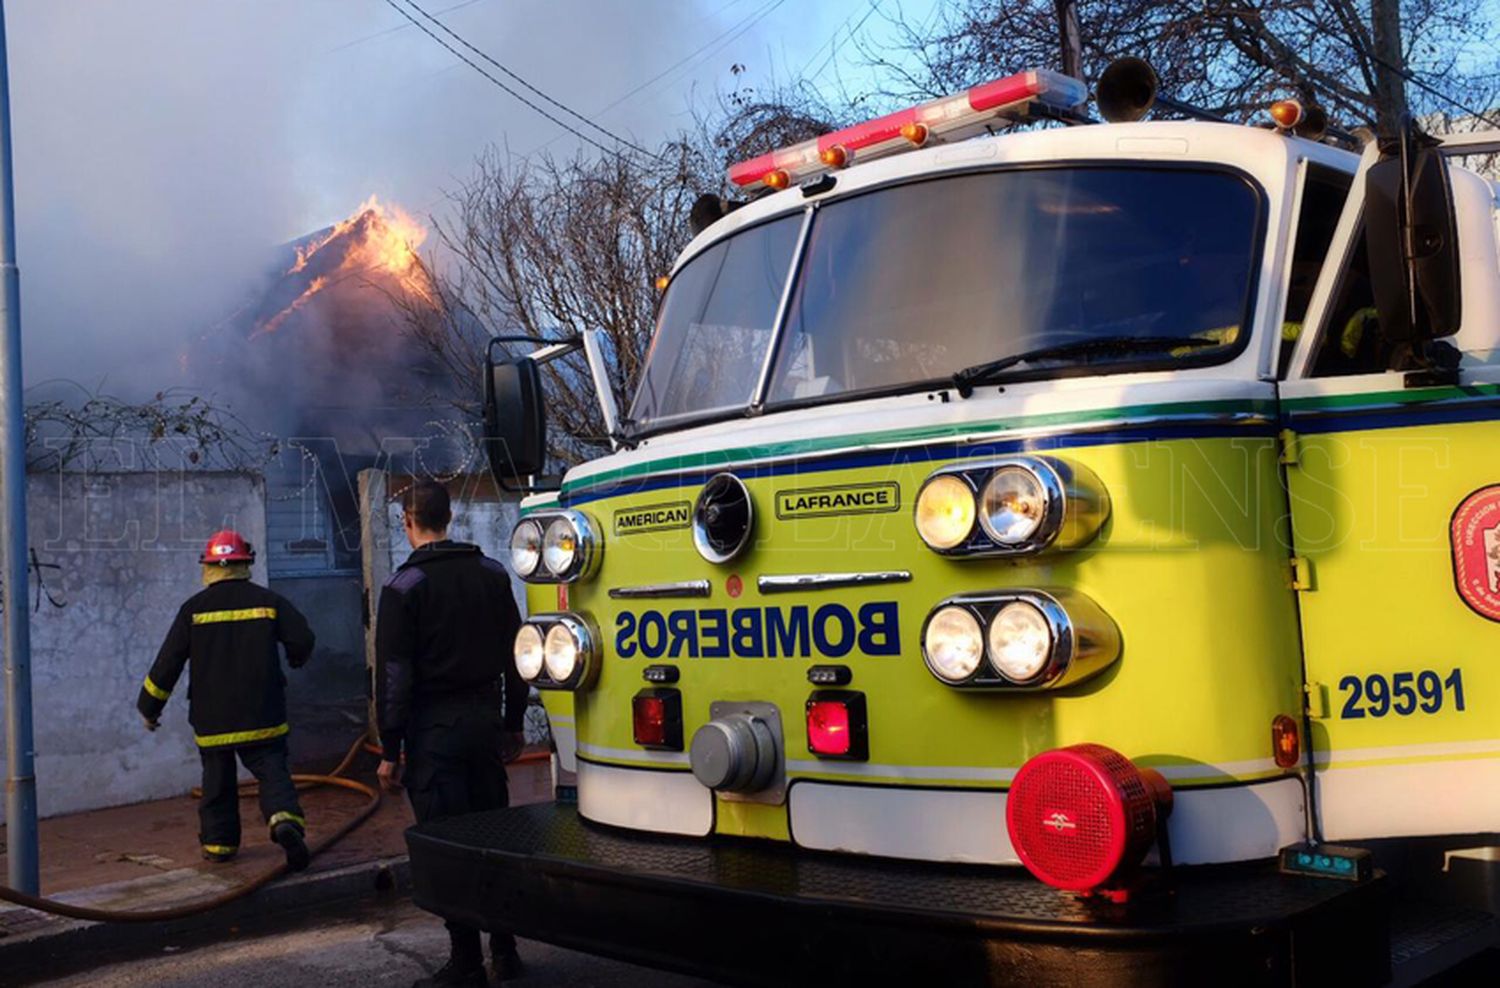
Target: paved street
{"x": 389, "y": 945}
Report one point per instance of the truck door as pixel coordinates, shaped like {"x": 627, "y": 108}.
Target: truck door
{"x": 1394, "y": 487}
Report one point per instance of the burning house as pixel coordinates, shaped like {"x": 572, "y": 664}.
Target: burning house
{"x": 324, "y": 357}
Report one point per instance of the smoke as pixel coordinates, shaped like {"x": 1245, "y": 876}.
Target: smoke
{"x": 164, "y": 148}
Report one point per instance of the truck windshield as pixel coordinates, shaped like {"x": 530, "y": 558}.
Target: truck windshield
{"x": 903, "y": 287}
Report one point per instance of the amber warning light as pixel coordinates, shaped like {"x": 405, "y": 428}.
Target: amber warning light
{"x": 951, "y": 118}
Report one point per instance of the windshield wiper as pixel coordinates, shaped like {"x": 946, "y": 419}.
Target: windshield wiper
{"x": 969, "y": 378}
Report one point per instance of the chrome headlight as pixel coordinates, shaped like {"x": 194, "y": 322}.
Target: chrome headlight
{"x": 525, "y": 548}
{"x": 1032, "y": 639}
{"x": 560, "y": 546}
{"x": 1024, "y": 505}
{"x": 945, "y": 511}
{"x": 1020, "y": 641}
{"x": 528, "y": 652}
{"x": 563, "y": 650}
{"x": 555, "y": 547}
{"x": 953, "y": 644}
{"x": 1013, "y": 505}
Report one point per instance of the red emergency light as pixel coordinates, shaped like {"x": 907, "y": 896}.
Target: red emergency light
{"x": 1082, "y": 818}
{"x": 838, "y": 725}
{"x": 948, "y": 119}
{"x": 656, "y": 719}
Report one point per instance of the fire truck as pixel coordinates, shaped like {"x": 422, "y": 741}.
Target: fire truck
{"x": 1065, "y": 554}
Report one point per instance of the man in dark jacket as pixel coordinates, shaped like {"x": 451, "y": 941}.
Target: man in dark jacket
{"x": 227, "y": 634}
{"x": 443, "y": 642}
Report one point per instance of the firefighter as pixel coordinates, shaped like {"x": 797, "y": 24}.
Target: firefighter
{"x": 237, "y": 700}
{"x": 442, "y": 647}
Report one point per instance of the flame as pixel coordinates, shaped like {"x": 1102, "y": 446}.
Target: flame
{"x": 381, "y": 238}
{"x": 271, "y": 325}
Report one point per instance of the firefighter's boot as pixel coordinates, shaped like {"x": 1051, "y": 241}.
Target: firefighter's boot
{"x": 457, "y": 974}
{"x": 507, "y": 965}
{"x": 219, "y": 853}
{"x": 289, "y": 836}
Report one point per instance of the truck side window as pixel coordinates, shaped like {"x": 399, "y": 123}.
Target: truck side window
{"x": 1322, "y": 201}
{"x": 1349, "y": 342}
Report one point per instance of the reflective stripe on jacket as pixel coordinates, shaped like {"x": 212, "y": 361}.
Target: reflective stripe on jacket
{"x": 229, "y": 637}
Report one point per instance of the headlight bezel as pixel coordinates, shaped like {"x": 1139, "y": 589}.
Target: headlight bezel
{"x": 587, "y": 554}
{"x": 586, "y": 636}
{"x": 1084, "y": 639}
{"x": 1075, "y": 509}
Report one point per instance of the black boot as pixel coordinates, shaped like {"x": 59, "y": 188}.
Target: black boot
{"x": 508, "y": 966}
{"x": 456, "y": 974}
{"x": 289, "y": 836}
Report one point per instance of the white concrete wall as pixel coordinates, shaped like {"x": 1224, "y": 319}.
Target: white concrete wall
{"x": 117, "y": 555}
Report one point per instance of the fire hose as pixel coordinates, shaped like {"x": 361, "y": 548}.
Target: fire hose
{"x": 334, "y": 778}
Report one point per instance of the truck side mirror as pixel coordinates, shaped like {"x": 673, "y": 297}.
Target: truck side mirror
{"x": 1411, "y": 235}
{"x": 515, "y": 423}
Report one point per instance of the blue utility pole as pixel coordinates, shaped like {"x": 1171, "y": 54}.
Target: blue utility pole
{"x": 20, "y": 759}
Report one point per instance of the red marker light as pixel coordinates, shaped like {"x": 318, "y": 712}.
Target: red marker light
{"x": 734, "y": 586}
{"x": 837, "y": 725}
{"x": 656, "y": 719}
{"x": 828, "y": 727}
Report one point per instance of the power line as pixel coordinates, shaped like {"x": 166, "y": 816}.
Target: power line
{"x": 727, "y": 36}
{"x": 874, "y": 6}
{"x": 736, "y": 29}
{"x": 512, "y": 92}
{"x": 393, "y": 30}
{"x": 802, "y": 72}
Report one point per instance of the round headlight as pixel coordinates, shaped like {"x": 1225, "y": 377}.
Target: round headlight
{"x": 945, "y": 512}
{"x": 1020, "y": 640}
{"x": 560, "y": 546}
{"x": 1012, "y": 505}
{"x": 561, "y": 653}
{"x": 525, "y": 548}
{"x": 528, "y": 652}
{"x": 953, "y": 644}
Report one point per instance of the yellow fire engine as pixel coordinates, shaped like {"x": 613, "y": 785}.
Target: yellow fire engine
{"x": 1060, "y": 556}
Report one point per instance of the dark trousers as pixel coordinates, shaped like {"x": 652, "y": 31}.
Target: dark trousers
{"x": 219, "y": 811}
{"x": 454, "y": 766}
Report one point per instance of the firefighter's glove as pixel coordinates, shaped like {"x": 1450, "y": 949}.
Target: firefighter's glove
{"x": 151, "y": 722}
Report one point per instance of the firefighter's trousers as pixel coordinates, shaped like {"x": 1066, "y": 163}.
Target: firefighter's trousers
{"x": 454, "y": 766}
{"x": 219, "y": 812}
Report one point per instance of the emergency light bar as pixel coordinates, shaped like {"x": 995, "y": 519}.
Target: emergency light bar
{"x": 951, "y": 118}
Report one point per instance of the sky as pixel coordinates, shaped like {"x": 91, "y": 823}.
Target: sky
{"x": 162, "y": 146}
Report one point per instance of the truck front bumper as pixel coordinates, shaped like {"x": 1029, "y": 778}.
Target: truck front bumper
{"x": 756, "y": 913}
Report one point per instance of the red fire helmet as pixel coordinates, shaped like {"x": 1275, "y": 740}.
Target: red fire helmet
{"x": 227, "y": 547}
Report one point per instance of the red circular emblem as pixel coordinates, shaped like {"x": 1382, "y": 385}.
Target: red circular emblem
{"x": 1475, "y": 533}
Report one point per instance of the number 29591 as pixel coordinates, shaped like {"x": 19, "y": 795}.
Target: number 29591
{"x": 1402, "y": 693}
